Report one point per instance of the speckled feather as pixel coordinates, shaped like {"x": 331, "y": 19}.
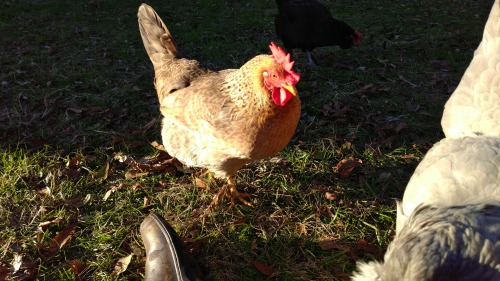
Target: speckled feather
{"x": 442, "y": 243}
{"x": 219, "y": 120}
{"x": 474, "y": 107}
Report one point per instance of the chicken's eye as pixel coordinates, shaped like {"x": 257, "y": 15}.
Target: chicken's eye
{"x": 274, "y": 75}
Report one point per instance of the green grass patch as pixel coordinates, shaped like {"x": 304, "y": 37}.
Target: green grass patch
{"x": 77, "y": 90}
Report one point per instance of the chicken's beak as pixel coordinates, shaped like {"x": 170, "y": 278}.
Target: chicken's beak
{"x": 290, "y": 88}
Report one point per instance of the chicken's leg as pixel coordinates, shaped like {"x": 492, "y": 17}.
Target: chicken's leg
{"x": 229, "y": 190}
{"x": 310, "y": 59}
{"x": 235, "y": 194}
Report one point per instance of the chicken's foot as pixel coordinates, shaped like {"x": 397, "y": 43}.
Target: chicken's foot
{"x": 229, "y": 190}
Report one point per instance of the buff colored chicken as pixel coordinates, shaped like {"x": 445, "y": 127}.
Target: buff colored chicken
{"x": 221, "y": 120}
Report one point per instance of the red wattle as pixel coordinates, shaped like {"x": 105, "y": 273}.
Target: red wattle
{"x": 281, "y": 96}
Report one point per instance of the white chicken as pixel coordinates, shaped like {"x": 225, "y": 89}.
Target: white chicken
{"x": 448, "y": 223}
{"x": 454, "y": 171}
{"x": 474, "y": 107}
{"x": 442, "y": 243}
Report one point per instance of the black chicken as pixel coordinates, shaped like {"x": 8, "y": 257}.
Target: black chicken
{"x": 307, "y": 24}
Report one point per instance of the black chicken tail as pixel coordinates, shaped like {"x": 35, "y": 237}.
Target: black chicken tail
{"x": 280, "y": 3}
{"x": 154, "y": 33}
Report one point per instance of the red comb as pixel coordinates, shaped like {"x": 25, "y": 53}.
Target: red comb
{"x": 358, "y": 36}
{"x": 283, "y": 58}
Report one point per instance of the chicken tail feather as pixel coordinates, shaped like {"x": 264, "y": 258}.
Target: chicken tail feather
{"x": 154, "y": 33}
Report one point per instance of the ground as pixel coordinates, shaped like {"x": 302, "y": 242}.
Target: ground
{"x": 79, "y": 117}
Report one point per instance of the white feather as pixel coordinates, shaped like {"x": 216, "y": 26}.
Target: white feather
{"x": 448, "y": 223}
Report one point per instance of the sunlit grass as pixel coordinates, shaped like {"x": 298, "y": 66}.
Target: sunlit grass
{"x": 77, "y": 89}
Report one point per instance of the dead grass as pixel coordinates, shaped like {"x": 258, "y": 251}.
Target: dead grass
{"x": 76, "y": 91}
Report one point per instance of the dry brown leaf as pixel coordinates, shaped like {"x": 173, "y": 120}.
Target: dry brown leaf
{"x": 366, "y": 90}
{"x": 158, "y": 146}
{"x": 199, "y": 183}
{"x": 75, "y": 109}
{"x": 117, "y": 140}
{"x": 149, "y": 125}
{"x": 43, "y": 225}
{"x": 61, "y": 239}
{"x": 408, "y": 156}
{"x": 264, "y": 269}
{"x": 332, "y": 244}
{"x": 345, "y": 167}
{"x": 130, "y": 174}
{"x": 147, "y": 201}
{"x": 330, "y": 196}
{"x": 45, "y": 191}
{"x": 17, "y": 262}
{"x": 75, "y": 163}
{"x": 162, "y": 162}
{"x": 77, "y": 267}
{"x": 368, "y": 248}
{"x": 122, "y": 265}
{"x": 103, "y": 173}
{"x": 137, "y": 185}
{"x": 400, "y": 127}
{"x": 4, "y": 272}
{"x": 113, "y": 189}
{"x": 301, "y": 228}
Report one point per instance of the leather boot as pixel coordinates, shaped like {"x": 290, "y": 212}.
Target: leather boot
{"x": 166, "y": 259}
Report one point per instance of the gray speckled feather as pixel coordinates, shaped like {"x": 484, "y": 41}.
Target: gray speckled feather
{"x": 442, "y": 243}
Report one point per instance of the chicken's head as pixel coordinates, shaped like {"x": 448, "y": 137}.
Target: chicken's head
{"x": 280, "y": 78}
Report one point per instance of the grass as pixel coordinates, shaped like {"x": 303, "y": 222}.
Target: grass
{"x": 76, "y": 91}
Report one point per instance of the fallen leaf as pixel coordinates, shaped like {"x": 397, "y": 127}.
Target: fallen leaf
{"x": 45, "y": 191}
{"x": 4, "y": 272}
{"x": 122, "y": 265}
{"x": 199, "y": 183}
{"x": 408, "y": 156}
{"x": 366, "y": 247}
{"x": 264, "y": 269}
{"x": 150, "y": 124}
{"x": 75, "y": 163}
{"x": 158, "y": 146}
{"x": 75, "y": 109}
{"x": 103, "y": 172}
{"x": 400, "y": 127}
{"x": 113, "y": 189}
{"x": 301, "y": 228}
{"x": 137, "y": 185}
{"x": 366, "y": 90}
{"x": 17, "y": 262}
{"x": 407, "y": 81}
{"x": 162, "y": 162}
{"x": 332, "y": 244}
{"x": 130, "y": 174}
{"x": 147, "y": 201}
{"x": 43, "y": 225}
{"x": 330, "y": 196}
{"x": 77, "y": 267}
{"x": 61, "y": 239}
{"x": 345, "y": 167}
{"x": 335, "y": 109}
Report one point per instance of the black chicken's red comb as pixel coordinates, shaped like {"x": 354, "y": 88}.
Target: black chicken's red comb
{"x": 283, "y": 58}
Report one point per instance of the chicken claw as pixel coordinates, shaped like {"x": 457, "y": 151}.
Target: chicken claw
{"x": 229, "y": 190}
{"x": 235, "y": 194}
